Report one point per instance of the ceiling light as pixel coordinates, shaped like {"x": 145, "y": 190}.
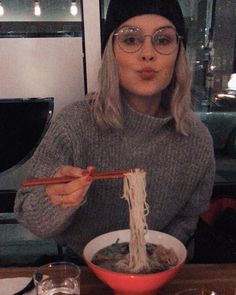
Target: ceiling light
{"x": 232, "y": 82}
{"x": 1, "y": 9}
{"x": 37, "y": 8}
{"x": 73, "y": 8}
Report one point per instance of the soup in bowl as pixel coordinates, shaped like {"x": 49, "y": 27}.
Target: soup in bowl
{"x": 132, "y": 283}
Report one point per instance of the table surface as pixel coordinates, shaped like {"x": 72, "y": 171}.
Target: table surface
{"x": 219, "y": 277}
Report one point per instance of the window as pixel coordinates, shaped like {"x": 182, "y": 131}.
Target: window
{"x": 35, "y": 45}
{"x": 41, "y": 56}
{"x": 54, "y": 55}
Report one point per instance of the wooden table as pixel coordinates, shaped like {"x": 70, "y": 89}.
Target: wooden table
{"x": 220, "y": 277}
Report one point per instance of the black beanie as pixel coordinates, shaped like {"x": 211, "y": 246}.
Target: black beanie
{"x": 120, "y": 11}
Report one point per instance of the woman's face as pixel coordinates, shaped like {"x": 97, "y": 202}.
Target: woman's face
{"x": 145, "y": 72}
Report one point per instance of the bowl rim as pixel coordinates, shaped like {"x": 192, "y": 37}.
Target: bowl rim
{"x": 156, "y": 274}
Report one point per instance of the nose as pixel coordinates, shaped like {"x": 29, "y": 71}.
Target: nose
{"x": 148, "y": 53}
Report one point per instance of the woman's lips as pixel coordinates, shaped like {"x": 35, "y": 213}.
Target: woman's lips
{"x": 147, "y": 74}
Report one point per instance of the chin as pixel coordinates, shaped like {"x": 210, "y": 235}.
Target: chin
{"x": 146, "y": 92}
{"x": 146, "y": 89}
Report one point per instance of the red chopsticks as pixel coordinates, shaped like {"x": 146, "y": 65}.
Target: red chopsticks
{"x": 66, "y": 179}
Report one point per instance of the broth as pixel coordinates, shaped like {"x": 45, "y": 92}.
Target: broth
{"x": 115, "y": 257}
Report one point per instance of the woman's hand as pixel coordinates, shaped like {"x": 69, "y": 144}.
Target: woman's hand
{"x": 70, "y": 194}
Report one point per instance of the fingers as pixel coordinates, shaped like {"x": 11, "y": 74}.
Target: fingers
{"x": 70, "y": 187}
{"x": 74, "y": 171}
{"x": 69, "y": 171}
{"x": 91, "y": 169}
{"x": 73, "y": 199}
{"x": 72, "y": 193}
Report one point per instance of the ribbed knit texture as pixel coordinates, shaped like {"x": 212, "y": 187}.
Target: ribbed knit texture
{"x": 180, "y": 175}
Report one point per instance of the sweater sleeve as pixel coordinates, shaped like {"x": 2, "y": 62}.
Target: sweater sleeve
{"x": 33, "y": 208}
{"x": 184, "y": 224}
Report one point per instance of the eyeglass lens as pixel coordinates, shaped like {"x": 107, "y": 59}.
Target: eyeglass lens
{"x": 131, "y": 39}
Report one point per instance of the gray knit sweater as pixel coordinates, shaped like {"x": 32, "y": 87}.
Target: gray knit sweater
{"x": 180, "y": 175}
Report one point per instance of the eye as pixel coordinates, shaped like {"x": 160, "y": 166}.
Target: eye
{"x": 130, "y": 39}
{"x": 163, "y": 40}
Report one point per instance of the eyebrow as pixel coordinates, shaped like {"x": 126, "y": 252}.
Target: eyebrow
{"x": 165, "y": 27}
{"x": 156, "y": 29}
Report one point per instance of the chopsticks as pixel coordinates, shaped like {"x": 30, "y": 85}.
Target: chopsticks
{"x": 66, "y": 179}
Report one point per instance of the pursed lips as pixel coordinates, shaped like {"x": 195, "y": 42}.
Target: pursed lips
{"x": 147, "y": 73}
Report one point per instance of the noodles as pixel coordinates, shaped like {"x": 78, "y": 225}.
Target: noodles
{"x": 135, "y": 194}
{"x": 137, "y": 256}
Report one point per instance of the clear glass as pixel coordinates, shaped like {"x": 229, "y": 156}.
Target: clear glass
{"x": 196, "y": 291}
{"x": 131, "y": 39}
{"x": 58, "y": 278}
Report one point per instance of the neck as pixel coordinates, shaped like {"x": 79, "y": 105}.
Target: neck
{"x": 149, "y": 105}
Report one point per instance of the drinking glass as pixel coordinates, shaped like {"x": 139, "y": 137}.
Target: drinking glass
{"x": 58, "y": 278}
{"x": 196, "y": 291}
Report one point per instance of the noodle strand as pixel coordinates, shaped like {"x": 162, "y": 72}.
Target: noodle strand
{"x": 135, "y": 194}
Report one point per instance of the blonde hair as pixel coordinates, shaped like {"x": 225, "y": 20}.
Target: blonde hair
{"x": 107, "y": 105}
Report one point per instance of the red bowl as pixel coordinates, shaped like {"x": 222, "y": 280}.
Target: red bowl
{"x": 134, "y": 284}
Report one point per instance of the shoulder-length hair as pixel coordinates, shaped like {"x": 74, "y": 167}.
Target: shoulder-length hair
{"x": 107, "y": 104}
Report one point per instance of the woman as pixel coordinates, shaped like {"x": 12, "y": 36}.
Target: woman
{"x": 139, "y": 118}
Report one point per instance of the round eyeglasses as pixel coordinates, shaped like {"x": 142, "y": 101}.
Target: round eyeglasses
{"x": 131, "y": 39}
